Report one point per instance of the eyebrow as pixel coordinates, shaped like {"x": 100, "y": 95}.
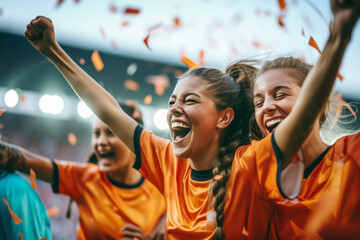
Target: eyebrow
{"x": 277, "y": 88}
{"x": 186, "y": 95}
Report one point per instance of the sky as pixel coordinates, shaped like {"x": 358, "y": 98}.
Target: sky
{"x": 224, "y": 30}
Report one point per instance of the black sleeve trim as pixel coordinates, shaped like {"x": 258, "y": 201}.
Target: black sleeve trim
{"x": 55, "y": 184}
{"x": 279, "y": 159}
{"x": 137, "y": 134}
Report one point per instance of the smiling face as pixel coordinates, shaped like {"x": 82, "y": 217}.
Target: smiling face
{"x": 111, "y": 152}
{"x": 275, "y": 93}
{"x": 192, "y": 118}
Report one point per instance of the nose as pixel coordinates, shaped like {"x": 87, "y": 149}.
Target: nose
{"x": 268, "y": 106}
{"x": 175, "y": 109}
{"x": 102, "y": 139}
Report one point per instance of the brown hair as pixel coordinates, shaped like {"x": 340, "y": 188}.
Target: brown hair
{"x": 230, "y": 89}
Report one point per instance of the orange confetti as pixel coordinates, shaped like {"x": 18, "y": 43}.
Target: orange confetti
{"x": 201, "y": 58}
{"x": 218, "y": 177}
{"x": 191, "y": 64}
{"x": 282, "y": 4}
{"x": 53, "y": 211}
{"x": 102, "y": 32}
{"x": 125, "y": 23}
{"x": 177, "y": 22}
{"x": 152, "y": 28}
{"x": 160, "y": 82}
{"x": 303, "y": 32}
{"x": 22, "y": 99}
{"x": 72, "y": 139}
{"x": 59, "y": 2}
{"x": 256, "y": 44}
{"x": 146, "y": 41}
{"x": 132, "y": 11}
{"x": 280, "y": 21}
{"x": 245, "y": 232}
{"x": 113, "y": 8}
{"x": 131, "y": 85}
{"x": 347, "y": 105}
{"x": 42, "y": 238}
{"x": 96, "y": 59}
{"x": 148, "y": 99}
{"x": 339, "y": 76}
{"x": 2, "y": 111}
{"x": 82, "y": 61}
{"x": 15, "y": 218}
{"x": 21, "y": 235}
{"x": 33, "y": 179}
{"x": 313, "y": 44}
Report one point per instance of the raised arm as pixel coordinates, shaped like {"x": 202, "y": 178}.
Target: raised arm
{"x": 319, "y": 82}
{"x": 40, "y": 33}
{"x": 13, "y": 157}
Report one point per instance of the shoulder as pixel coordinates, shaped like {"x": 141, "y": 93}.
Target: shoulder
{"x": 349, "y": 146}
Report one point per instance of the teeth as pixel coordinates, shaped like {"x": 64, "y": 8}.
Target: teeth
{"x": 273, "y": 122}
{"x": 178, "y": 124}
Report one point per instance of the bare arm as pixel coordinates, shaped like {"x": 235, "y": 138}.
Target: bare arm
{"x": 13, "y": 157}
{"x": 40, "y": 33}
{"x": 319, "y": 82}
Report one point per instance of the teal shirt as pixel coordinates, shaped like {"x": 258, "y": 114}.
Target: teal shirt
{"x": 26, "y": 204}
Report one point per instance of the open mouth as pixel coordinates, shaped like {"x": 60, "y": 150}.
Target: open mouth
{"x": 180, "y": 130}
{"x": 272, "y": 124}
{"x": 109, "y": 155}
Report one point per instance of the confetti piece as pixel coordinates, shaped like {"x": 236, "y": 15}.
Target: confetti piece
{"x": 245, "y": 232}
{"x": 113, "y": 8}
{"x": 72, "y": 139}
{"x": 152, "y": 28}
{"x": 280, "y": 21}
{"x": 191, "y": 64}
{"x": 303, "y": 32}
{"x": 282, "y": 4}
{"x": 33, "y": 179}
{"x": 201, "y": 58}
{"x": 102, "y": 32}
{"x": 22, "y": 99}
{"x": 2, "y": 111}
{"x": 313, "y": 44}
{"x": 148, "y": 99}
{"x": 82, "y": 61}
{"x": 339, "y": 76}
{"x": 218, "y": 177}
{"x": 15, "y": 218}
{"x": 177, "y": 22}
{"x": 146, "y": 41}
{"x": 267, "y": 13}
{"x": 21, "y": 235}
{"x": 132, "y": 11}
{"x": 114, "y": 45}
{"x": 53, "y": 211}
{"x": 256, "y": 44}
{"x": 96, "y": 59}
{"x": 160, "y": 82}
{"x": 131, "y": 85}
{"x": 42, "y": 238}
{"x": 125, "y": 23}
{"x": 59, "y": 2}
{"x": 347, "y": 105}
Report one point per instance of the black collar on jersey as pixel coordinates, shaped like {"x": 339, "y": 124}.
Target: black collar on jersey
{"x": 314, "y": 164}
{"x": 201, "y": 175}
{"x": 126, "y": 186}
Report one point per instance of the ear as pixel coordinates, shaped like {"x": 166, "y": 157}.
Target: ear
{"x": 226, "y": 117}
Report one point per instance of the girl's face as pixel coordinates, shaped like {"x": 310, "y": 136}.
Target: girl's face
{"x": 111, "y": 152}
{"x": 275, "y": 93}
{"x": 192, "y": 118}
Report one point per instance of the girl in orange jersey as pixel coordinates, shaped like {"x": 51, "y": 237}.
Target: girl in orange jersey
{"x": 328, "y": 205}
{"x": 114, "y": 200}
{"x": 206, "y": 116}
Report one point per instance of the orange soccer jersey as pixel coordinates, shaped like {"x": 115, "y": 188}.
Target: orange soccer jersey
{"x": 328, "y": 205}
{"x": 189, "y": 212}
{"x": 104, "y": 205}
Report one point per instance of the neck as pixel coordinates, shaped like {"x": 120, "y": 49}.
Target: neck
{"x": 204, "y": 160}
{"x": 313, "y": 146}
{"x": 126, "y": 175}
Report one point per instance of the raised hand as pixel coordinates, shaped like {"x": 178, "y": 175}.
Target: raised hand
{"x": 40, "y": 33}
{"x": 346, "y": 13}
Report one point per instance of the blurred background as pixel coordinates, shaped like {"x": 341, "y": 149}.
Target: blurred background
{"x": 136, "y": 49}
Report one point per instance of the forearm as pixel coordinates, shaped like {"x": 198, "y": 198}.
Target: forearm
{"x": 313, "y": 97}
{"x": 13, "y": 157}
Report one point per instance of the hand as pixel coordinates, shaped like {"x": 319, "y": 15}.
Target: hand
{"x": 134, "y": 232}
{"x": 159, "y": 236}
{"x": 40, "y": 33}
{"x": 346, "y": 13}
